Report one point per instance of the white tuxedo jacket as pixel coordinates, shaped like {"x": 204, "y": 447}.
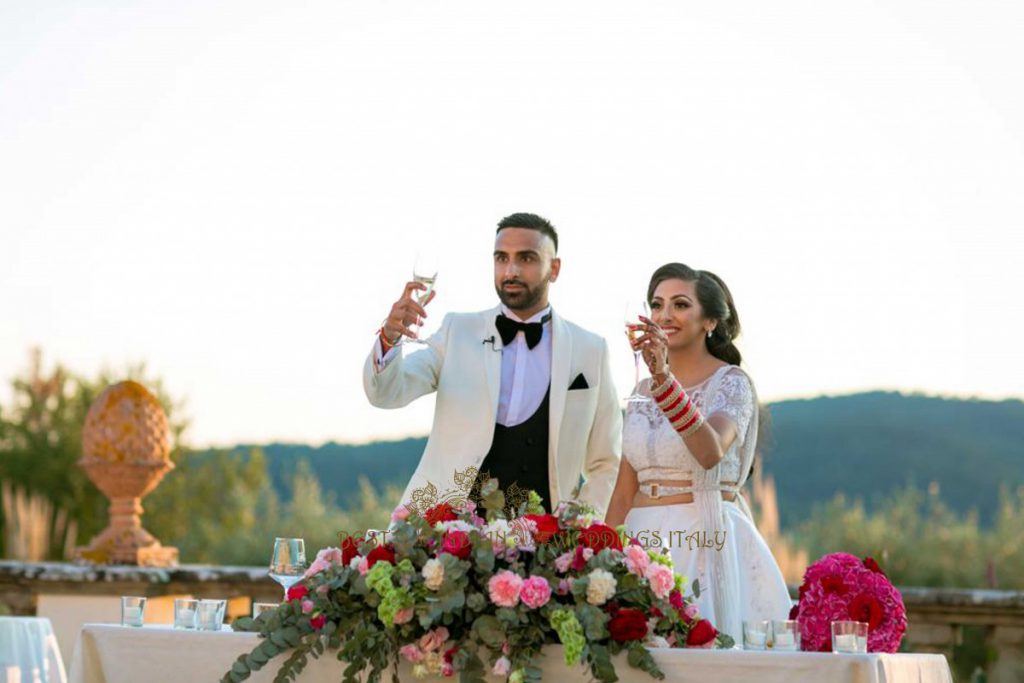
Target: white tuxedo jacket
{"x": 585, "y": 430}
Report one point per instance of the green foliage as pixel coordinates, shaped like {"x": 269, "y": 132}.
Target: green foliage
{"x": 920, "y": 541}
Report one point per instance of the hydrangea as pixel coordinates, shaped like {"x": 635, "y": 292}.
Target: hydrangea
{"x": 570, "y": 633}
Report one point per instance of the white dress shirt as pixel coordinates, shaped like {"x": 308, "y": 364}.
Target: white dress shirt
{"x": 525, "y": 372}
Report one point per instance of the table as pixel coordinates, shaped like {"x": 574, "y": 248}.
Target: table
{"x": 29, "y": 652}
{"x": 154, "y": 654}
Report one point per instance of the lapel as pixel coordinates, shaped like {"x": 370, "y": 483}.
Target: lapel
{"x": 561, "y": 357}
{"x": 492, "y": 359}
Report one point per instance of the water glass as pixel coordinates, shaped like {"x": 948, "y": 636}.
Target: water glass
{"x": 185, "y": 613}
{"x": 259, "y": 608}
{"x": 755, "y": 635}
{"x": 132, "y": 610}
{"x": 210, "y": 614}
{"x": 850, "y": 637}
{"x": 786, "y": 635}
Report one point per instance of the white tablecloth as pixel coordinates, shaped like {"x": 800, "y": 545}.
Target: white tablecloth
{"x": 119, "y": 654}
{"x": 29, "y": 652}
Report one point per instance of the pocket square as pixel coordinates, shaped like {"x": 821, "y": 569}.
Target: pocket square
{"x": 579, "y": 383}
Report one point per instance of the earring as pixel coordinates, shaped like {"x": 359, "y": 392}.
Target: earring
{"x": 710, "y": 331}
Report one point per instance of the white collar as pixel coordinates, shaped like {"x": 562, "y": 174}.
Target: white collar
{"x": 535, "y": 318}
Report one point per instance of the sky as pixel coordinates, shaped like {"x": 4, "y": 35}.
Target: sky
{"x": 235, "y": 192}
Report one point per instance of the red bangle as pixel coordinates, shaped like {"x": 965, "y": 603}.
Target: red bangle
{"x": 385, "y": 345}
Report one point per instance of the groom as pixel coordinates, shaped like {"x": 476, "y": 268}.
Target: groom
{"x": 522, "y": 393}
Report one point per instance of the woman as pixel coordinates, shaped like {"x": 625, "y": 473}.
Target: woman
{"x": 689, "y": 449}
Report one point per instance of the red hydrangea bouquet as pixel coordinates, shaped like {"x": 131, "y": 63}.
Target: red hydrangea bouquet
{"x": 452, "y": 592}
{"x": 841, "y": 587}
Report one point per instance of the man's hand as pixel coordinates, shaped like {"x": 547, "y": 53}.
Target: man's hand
{"x": 406, "y": 312}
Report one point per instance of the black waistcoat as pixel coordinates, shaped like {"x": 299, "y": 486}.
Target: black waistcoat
{"x": 519, "y": 454}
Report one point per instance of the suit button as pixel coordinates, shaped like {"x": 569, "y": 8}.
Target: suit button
{"x": 529, "y": 441}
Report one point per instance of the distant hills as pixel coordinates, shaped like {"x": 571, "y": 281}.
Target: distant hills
{"x": 864, "y": 445}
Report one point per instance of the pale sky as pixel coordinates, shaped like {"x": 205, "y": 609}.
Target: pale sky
{"x": 234, "y": 192}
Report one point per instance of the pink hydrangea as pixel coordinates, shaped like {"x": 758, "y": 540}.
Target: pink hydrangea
{"x": 661, "y": 578}
{"x": 432, "y": 641}
{"x": 637, "y": 559}
{"x": 536, "y": 592}
{"x": 504, "y": 588}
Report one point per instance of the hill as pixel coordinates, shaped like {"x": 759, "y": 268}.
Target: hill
{"x": 864, "y": 445}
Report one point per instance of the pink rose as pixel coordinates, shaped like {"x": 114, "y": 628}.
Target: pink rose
{"x": 637, "y": 559}
{"x": 307, "y": 606}
{"x": 563, "y": 562}
{"x": 536, "y": 592}
{"x": 564, "y": 587}
{"x": 404, "y": 616}
{"x": 324, "y": 559}
{"x": 364, "y": 566}
{"x": 579, "y": 561}
{"x": 447, "y": 669}
{"x": 433, "y": 640}
{"x": 504, "y": 588}
{"x": 690, "y": 612}
{"x": 502, "y": 667}
{"x": 411, "y": 653}
{"x": 662, "y": 579}
{"x": 400, "y": 514}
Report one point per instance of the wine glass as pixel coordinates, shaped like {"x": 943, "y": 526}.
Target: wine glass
{"x": 424, "y": 272}
{"x": 288, "y": 562}
{"x": 635, "y": 309}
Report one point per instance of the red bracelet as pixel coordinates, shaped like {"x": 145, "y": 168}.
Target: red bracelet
{"x": 385, "y": 345}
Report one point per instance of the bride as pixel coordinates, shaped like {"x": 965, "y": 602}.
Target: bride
{"x": 689, "y": 448}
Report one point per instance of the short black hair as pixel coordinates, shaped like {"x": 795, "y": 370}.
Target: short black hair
{"x": 530, "y": 221}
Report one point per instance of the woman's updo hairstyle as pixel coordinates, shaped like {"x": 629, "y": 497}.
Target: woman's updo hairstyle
{"x": 715, "y": 300}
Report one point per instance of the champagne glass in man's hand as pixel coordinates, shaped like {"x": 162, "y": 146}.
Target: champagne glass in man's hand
{"x": 424, "y": 273}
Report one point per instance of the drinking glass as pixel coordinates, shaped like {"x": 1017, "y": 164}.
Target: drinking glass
{"x": 185, "y": 613}
{"x": 755, "y": 635}
{"x": 850, "y": 637}
{"x": 210, "y": 614}
{"x": 424, "y": 272}
{"x": 786, "y": 635}
{"x": 288, "y": 562}
{"x": 133, "y": 610}
{"x": 635, "y": 309}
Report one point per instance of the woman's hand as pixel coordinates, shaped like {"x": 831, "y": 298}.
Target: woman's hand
{"x": 652, "y": 345}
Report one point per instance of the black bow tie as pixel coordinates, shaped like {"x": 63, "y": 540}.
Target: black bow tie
{"x": 509, "y": 328}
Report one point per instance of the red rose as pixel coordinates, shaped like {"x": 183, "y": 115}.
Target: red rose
{"x": 297, "y": 592}
{"x": 870, "y": 563}
{"x": 442, "y": 512}
{"x": 579, "y": 561}
{"x": 547, "y": 526}
{"x": 833, "y": 584}
{"x": 628, "y": 624}
{"x": 794, "y": 612}
{"x": 599, "y": 536}
{"x": 349, "y": 548}
{"x": 318, "y": 621}
{"x": 612, "y": 607}
{"x": 656, "y": 613}
{"x": 449, "y": 654}
{"x": 381, "y": 552}
{"x": 457, "y": 543}
{"x": 866, "y": 608}
{"x": 676, "y": 599}
{"x": 702, "y": 634}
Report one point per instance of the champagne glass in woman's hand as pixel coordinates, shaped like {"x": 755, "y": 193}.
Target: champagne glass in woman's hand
{"x": 635, "y": 330}
{"x": 288, "y": 563}
{"x": 425, "y": 273}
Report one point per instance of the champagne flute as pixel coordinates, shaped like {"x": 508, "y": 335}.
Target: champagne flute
{"x": 635, "y": 309}
{"x": 288, "y": 562}
{"x": 424, "y": 272}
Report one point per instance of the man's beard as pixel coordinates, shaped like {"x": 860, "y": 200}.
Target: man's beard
{"x": 522, "y": 300}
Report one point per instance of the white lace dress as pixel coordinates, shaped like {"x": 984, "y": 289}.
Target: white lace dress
{"x": 712, "y": 541}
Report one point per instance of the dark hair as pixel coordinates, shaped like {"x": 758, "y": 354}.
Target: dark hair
{"x": 530, "y": 221}
{"x": 716, "y": 302}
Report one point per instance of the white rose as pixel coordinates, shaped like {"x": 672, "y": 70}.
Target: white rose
{"x": 601, "y": 587}
{"x": 433, "y": 574}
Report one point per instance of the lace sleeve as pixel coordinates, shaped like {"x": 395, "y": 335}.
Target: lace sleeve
{"x": 734, "y": 398}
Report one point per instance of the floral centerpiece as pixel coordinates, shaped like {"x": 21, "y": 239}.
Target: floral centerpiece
{"x": 451, "y": 591}
{"x": 841, "y": 587}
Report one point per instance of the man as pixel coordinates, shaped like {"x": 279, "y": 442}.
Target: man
{"x": 522, "y": 393}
